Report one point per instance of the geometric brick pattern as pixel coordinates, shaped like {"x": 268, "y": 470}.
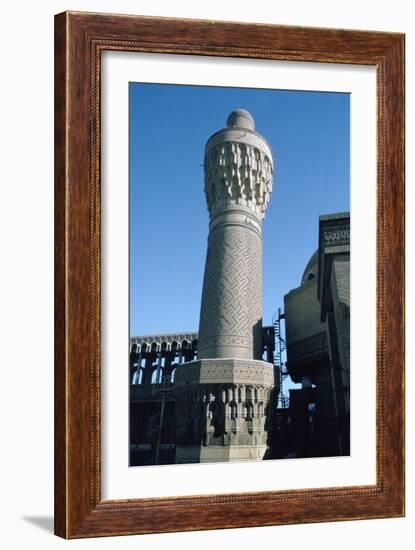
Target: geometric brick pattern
{"x": 231, "y": 311}
{"x": 233, "y": 371}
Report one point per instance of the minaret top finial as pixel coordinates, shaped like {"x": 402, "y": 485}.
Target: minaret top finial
{"x": 240, "y": 118}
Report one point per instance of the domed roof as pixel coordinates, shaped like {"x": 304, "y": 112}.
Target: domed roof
{"x": 241, "y": 118}
{"x": 311, "y": 269}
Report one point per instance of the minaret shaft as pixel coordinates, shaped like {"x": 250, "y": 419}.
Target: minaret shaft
{"x": 231, "y": 311}
{"x": 238, "y": 184}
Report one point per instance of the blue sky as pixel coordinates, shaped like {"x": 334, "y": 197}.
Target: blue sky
{"x": 309, "y": 136}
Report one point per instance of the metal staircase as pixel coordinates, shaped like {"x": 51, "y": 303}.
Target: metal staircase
{"x": 280, "y": 365}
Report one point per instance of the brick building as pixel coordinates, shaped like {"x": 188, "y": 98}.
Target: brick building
{"x": 317, "y": 318}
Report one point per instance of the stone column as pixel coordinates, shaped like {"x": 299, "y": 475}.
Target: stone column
{"x": 229, "y": 368}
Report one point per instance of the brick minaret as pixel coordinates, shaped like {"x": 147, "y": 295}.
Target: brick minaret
{"x": 223, "y": 398}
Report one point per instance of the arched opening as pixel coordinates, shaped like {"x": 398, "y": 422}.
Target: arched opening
{"x": 175, "y": 351}
{"x": 194, "y": 348}
{"x": 156, "y": 376}
{"x": 138, "y": 377}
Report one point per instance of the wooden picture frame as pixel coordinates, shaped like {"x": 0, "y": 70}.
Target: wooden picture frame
{"x": 79, "y": 40}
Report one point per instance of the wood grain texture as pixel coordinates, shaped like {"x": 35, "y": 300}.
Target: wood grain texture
{"x": 79, "y": 40}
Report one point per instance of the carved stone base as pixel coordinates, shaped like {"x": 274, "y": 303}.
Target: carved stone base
{"x": 222, "y": 409}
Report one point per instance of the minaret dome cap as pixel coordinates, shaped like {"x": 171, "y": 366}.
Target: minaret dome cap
{"x": 240, "y": 118}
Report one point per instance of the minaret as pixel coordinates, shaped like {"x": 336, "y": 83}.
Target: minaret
{"x": 238, "y": 184}
{"x": 222, "y": 398}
